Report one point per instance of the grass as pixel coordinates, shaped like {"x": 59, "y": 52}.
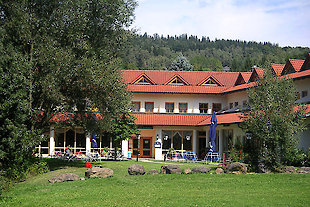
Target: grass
{"x": 160, "y": 190}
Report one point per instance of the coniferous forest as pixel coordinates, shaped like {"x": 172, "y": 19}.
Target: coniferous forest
{"x": 157, "y": 53}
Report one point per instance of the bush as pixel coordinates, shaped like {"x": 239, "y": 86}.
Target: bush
{"x": 298, "y": 158}
{"x": 39, "y": 167}
{"x": 4, "y": 184}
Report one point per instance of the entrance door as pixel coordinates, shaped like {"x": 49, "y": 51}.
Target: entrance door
{"x": 145, "y": 147}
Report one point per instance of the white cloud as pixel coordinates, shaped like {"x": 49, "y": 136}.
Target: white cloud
{"x": 281, "y": 21}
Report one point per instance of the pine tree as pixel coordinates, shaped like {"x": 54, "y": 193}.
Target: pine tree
{"x": 181, "y": 64}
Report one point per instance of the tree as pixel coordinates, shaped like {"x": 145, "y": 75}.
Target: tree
{"x": 17, "y": 140}
{"x": 206, "y": 63}
{"x": 181, "y": 64}
{"x": 68, "y": 51}
{"x": 273, "y": 121}
{"x": 123, "y": 128}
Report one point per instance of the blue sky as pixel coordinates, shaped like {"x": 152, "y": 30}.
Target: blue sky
{"x": 285, "y": 22}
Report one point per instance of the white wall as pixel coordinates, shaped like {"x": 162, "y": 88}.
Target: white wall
{"x": 238, "y": 96}
{"x": 303, "y": 85}
{"x": 192, "y": 101}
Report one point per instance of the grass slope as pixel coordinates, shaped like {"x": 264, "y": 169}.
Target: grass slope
{"x": 160, "y": 190}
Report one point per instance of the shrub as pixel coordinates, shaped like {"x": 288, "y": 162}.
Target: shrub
{"x": 298, "y": 158}
{"x": 39, "y": 167}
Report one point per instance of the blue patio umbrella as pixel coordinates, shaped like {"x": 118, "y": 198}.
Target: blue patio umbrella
{"x": 94, "y": 141}
{"x": 213, "y": 132}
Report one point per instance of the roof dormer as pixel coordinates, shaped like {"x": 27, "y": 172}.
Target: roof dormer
{"x": 210, "y": 81}
{"x": 176, "y": 80}
{"x": 240, "y": 80}
{"x": 143, "y": 80}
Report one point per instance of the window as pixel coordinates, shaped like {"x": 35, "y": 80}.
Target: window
{"x": 231, "y": 105}
{"x": 203, "y": 108}
{"x": 236, "y": 103}
{"x": 183, "y": 107}
{"x": 169, "y": 107}
{"x": 143, "y": 80}
{"x": 179, "y": 140}
{"x": 177, "y": 81}
{"x": 136, "y": 106}
{"x": 149, "y": 106}
{"x": 216, "y": 107}
{"x": 304, "y": 94}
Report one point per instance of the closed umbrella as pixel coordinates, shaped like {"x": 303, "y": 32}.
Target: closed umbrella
{"x": 213, "y": 132}
{"x": 94, "y": 140}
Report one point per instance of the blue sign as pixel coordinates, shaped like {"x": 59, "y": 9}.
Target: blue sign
{"x": 157, "y": 144}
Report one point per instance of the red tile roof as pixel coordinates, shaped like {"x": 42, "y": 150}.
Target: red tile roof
{"x": 296, "y": 64}
{"x": 169, "y": 119}
{"x": 256, "y": 73}
{"x": 306, "y": 64}
{"x": 301, "y": 74}
{"x": 277, "y": 68}
{"x": 246, "y": 76}
{"x": 175, "y": 89}
{"x": 160, "y": 77}
{"x": 184, "y": 119}
{"x": 240, "y": 87}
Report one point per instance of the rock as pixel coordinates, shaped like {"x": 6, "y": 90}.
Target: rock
{"x": 288, "y": 169}
{"x": 170, "y": 169}
{"x": 187, "y": 171}
{"x": 201, "y": 169}
{"x": 136, "y": 169}
{"x": 153, "y": 172}
{"x": 97, "y": 172}
{"x": 64, "y": 177}
{"x": 263, "y": 169}
{"x": 219, "y": 171}
{"x": 303, "y": 170}
{"x": 236, "y": 167}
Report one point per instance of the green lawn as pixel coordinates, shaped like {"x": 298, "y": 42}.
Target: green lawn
{"x": 161, "y": 190}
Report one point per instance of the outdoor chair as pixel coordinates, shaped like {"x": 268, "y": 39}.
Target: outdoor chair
{"x": 212, "y": 157}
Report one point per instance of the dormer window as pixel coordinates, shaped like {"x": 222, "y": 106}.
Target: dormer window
{"x": 143, "y": 81}
{"x": 177, "y": 81}
{"x": 210, "y": 81}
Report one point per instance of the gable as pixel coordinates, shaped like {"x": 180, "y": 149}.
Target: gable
{"x": 240, "y": 80}
{"x": 176, "y": 80}
{"x": 306, "y": 65}
{"x": 277, "y": 68}
{"x": 143, "y": 80}
{"x": 210, "y": 81}
{"x": 292, "y": 66}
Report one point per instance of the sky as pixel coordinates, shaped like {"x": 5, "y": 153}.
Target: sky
{"x": 283, "y": 22}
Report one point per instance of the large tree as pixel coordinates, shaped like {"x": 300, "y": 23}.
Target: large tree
{"x": 181, "y": 64}
{"x": 68, "y": 53}
{"x": 273, "y": 121}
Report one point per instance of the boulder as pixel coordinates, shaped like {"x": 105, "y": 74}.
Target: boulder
{"x": 219, "y": 171}
{"x": 288, "y": 169}
{"x": 136, "y": 169}
{"x": 303, "y": 170}
{"x": 153, "y": 172}
{"x": 187, "y": 171}
{"x": 97, "y": 172}
{"x": 170, "y": 169}
{"x": 236, "y": 167}
{"x": 64, "y": 177}
{"x": 263, "y": 169}
{"x": 201, "y": 169}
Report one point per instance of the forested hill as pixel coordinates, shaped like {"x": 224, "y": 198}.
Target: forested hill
{"x": 158, "y": 52}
